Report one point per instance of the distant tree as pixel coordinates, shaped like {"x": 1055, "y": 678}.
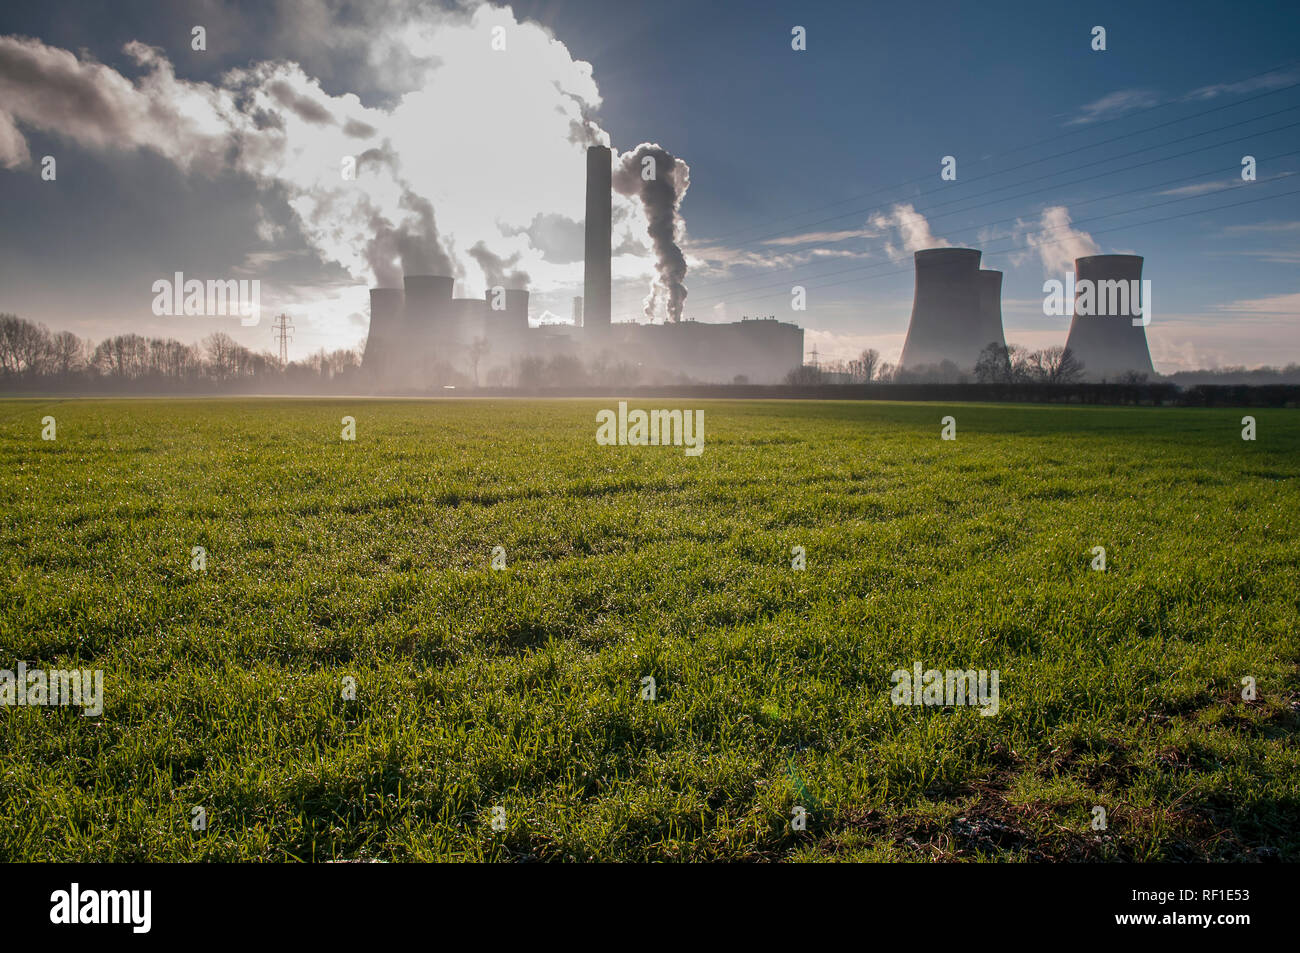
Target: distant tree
{"x": 994, "y": 364}
{"x": 1060, "y": 366}
{"x": 885, "y": 373}
{"x": 805, "y": 375}
{"x": 10, "y": 328}
{"x": 564, "y": 370}
{"x": 24, "y": 347}
{"x": 478, "y": 348}
{"x": 945, "y": 372}
{"x": 221, "y": 354}
{"x": 868, "y": 362}
{"x": 529, "y": 371}
{"x": 124, "y": 356}
{"x": 1025, "y": 364}
{"x": 67, "y": 353}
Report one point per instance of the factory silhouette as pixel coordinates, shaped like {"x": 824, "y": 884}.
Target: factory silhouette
{"x": 423, "y": 338}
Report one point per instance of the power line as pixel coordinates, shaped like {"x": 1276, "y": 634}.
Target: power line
{"x": 1154, "y": 221}
{"x": 1086, "y": 165}
{"x": 283, "y": 330}
{"x": 929, "y": 209}
{"x": 1021, "y": 148}
{"x": 1092, "y": 164}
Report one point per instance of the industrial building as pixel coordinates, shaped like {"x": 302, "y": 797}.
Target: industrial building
{"x": 957, "y": 313}
{"x": 423, "y": 338}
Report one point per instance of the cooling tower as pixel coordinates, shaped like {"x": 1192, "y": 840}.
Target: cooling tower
{"x": 468, "y": 322}
{"x": 596, "y": 273}
{"x": 946, "y": 317}
{"x": 384, "y": 342}
{"x": 1108, "y": 344}
{"x": 990, "y": 296}
{"x": 425, "y": 326}
{"x": 506, "y": 330}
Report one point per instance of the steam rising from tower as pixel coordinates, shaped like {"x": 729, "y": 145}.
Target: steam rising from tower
{"x": 660, "y": 180}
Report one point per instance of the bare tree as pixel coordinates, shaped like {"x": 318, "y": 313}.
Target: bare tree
{"x": 804, "y": 375}
{"x": 477, "y": 349}
{"x": 67, "y": 353}
{"x": 869, "y": 361}
{"x": 1026, "y": 365}
{"x": 994, "y": 364}
{"x": 24, "y": 346}
{"x": 125, "y": 356}
{"x": 222, "y": 355}
{"x": 1060, "y": 366}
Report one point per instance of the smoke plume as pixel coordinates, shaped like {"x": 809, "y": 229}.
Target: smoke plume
{"x": 1058, "y": 242}
{"x": 907, "y": 231}
{"x": 660, "y": 180}
{"x": 495, "y": 268}
{"x": 273, "y": 123}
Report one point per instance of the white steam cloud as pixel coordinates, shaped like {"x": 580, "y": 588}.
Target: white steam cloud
{"x": 660, "y": 181}
{"x": 480, "y": 145}
{"x": 906, "y": 231}
{"x": 1057, "y": 241}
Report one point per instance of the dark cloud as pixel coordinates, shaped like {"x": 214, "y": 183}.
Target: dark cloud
{"x": 559, "y": 239}
{"x": 305, "y": 108}
{"x": 359, "y": 130}
{"x": 495, "y": 268}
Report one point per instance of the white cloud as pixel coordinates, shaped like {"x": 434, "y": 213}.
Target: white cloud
{"x": 1283, "y": 305}
{"x": 809, "y": 238}
{"x": 1202, "y": 188}
{"x": 1057, "y": 241}
{"x": 480, "y": 144}
{"x": 907, "y": 230}
{"x": 1262, "y": 227}
{"x": 1270, "y": 81}
{"x": 1115, "y": 104}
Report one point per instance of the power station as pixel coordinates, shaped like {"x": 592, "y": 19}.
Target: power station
{"x": 421, "y": 337}
{"x": 957, "y": 313}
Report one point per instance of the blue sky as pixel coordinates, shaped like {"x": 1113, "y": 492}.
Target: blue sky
{"x": 782, "y": 146}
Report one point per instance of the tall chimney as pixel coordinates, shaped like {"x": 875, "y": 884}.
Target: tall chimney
{"x": 946, "y": 323}
{"x": 1108, "y": 344}
{"x": 596, "y": 273}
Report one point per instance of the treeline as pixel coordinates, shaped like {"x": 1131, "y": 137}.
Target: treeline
{"x": 1015, "y": 364}
{"x": 33, "y": 358}
{"x": 1140, "y": 395}
{"x": 997, "y": 364}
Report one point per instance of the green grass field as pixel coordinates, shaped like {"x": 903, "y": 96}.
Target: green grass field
{"x": 521, "y": 688}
